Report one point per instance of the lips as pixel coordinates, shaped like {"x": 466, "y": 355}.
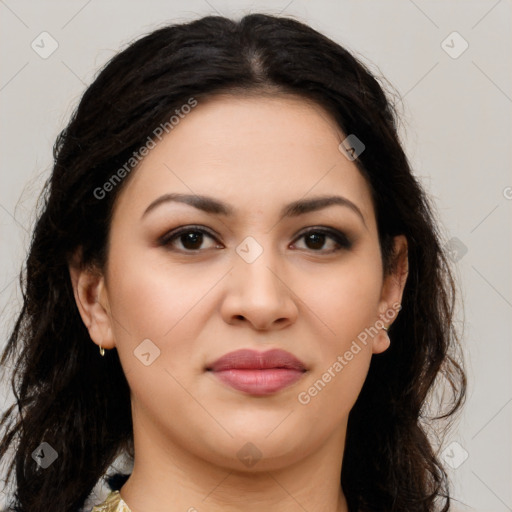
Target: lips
{"x": 258, "y": 373}
{"x": 252, "y": 360}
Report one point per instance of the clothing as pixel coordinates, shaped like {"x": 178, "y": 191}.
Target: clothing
{"x": 112, "y": 503}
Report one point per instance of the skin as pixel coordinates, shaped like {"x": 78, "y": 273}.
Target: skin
{"x": 256, "y": 154}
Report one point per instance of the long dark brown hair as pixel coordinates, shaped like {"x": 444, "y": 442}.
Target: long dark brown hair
{"x": 79, "y": 403}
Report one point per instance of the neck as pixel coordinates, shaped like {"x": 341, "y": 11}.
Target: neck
{"x": 167, "y": 478}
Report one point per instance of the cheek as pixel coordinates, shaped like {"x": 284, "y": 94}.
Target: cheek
{"x": 152, "y": 297}
{"x": 150, "y": 300}
{"x": 343, "y": 352}
{"x": 346, "y": 306}
{"x": 331, "y": 392}
{"x": 157, "y": 327}
{"x": 344, "y": 297}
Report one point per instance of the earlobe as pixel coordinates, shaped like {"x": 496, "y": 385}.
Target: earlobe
{"x": 92, "y": 303}
{"x": 381, "y": 342}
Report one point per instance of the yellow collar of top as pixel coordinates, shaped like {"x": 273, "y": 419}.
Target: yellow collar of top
{"x": 112, "y": 503}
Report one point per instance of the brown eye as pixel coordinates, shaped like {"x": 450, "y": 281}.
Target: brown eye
{"x": 315, "y": 239}
{"x": 190, "y": 238}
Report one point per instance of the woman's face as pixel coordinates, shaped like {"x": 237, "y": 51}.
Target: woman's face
{"x": 243, "y": 276}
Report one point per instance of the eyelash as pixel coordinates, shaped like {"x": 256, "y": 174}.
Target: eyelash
{"x": 340, "y": 238}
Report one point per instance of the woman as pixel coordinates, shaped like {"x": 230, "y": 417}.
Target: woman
{"x": 236, "y": 281}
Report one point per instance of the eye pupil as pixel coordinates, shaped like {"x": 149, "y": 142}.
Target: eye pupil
{"x": 194, "y": 237}
{"x": 318, "y": 240}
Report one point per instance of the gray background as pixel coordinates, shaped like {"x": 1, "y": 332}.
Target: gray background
{"x": 456, "y": 127}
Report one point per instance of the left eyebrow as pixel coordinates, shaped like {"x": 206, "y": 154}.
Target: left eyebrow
{"x": 294, "y": 209}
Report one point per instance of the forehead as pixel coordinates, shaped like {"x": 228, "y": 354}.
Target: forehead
{"x": 255, "y": 151}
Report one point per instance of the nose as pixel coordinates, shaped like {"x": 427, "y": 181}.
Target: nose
{"x": 259, "y": 294}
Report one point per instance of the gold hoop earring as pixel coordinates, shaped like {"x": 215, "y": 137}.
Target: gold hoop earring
{"x": 102, "y": 351}
{"x": 386, "y": 328}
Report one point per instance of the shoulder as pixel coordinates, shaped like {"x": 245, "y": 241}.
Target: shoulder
{"x": 112, "y": 503}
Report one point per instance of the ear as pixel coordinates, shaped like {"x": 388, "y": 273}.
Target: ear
{"x": 92, "y": 301}
{"x": 392, "y": 292}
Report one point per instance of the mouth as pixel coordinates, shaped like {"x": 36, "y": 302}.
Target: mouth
{"x": 258, "y": 373}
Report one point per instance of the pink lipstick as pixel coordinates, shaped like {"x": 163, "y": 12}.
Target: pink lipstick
{"x": 258, "y": 373}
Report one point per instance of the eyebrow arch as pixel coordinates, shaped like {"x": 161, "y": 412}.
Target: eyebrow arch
{"x": 294, "y": 209}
